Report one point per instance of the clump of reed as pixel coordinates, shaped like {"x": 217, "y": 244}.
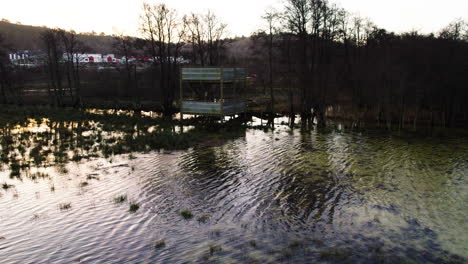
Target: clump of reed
{"x": 134, "y": 207}
{"x": 186, "y": 214}
{"x": 120, "y": 199}
{"x": 6, "y": 186}
{"x": 159, "y": 244}
{"x": 214, "y": 249}
{"x": 65, "y": 206}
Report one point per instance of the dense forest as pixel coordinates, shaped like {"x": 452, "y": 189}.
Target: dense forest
{"x": 314, "y": 59}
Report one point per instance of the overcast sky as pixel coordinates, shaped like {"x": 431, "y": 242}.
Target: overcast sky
{"x": 242, "y": 16}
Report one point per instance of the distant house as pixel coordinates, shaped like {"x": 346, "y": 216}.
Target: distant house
{"x": 109, "y": 58}
{"x": 131, "y": 59}
{"x": 87, "y": 58}
{"x": 19, "y": 56}
{"x": 94, "y": 58}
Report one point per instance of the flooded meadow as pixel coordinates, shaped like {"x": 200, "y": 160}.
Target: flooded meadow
{"x": 115, "y": 187}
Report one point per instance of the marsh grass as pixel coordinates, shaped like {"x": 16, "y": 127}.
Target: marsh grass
{"x": 6, "y": 186}
{"x": 186, "y": 214}
{"x": 108, "y": 135}
{"x": 62, "y": 170}
{"x": 39, "y": 175}
{"x": 334, "y": 254}
{"x": 253, "y": 243}
{"x": 15, "y": 170}
{"x": 134, "y": 207}
{"x": 214, "y": 249}
{"x": 65, "y": 206}
{"x": 120, "y": 199}
{"x": 203, "y": 219}
{"x": 159, "y": 244}
{"x": 92, "y": 177}
{"x": 83, "y": 184}
{"x": 294, "y": 244}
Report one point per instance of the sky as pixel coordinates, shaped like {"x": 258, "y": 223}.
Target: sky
{"x": 242, "y": 16}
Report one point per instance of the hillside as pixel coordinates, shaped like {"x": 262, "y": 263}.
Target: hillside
{"x": 25, "y": 37}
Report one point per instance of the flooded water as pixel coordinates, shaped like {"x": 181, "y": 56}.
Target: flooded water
{"x": 250, "y": 196}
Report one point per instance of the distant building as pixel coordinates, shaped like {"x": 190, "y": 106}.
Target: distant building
{"x": 20, "y": 56}
{"x": 109, "y": 58}
{"x": 92, "y": 58}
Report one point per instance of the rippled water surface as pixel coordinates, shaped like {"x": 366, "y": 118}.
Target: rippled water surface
{"x": 261, "y": 196}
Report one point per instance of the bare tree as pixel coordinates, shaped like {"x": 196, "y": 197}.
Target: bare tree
{"x": 4, "y": 73}
{"x": 271, "y": 16}
{"x": 216, "y": 31}
{"x": 164, "y": 30}
{"x": 206, "y": 34}
{"x": 197, "y": 35}
{"x": 123, "y": 45}
{"x": 297, "y": 17}
{"x": 73, "y": 47}
{"x": 51, "y": 39}
{"x": 456, "y": 30}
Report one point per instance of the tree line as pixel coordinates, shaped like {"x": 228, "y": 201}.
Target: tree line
{"x": 337, "y": 64}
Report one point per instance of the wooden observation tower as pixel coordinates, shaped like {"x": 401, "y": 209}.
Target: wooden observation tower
{"x": 212, "y": 91}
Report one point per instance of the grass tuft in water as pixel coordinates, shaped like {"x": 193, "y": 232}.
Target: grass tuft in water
{"x": 253, "y": 243}
{"x": 120, "y": 199}
{"x": 39, "y": 175}
{"x": 15, "y": 170}
{"x": 64, "y": 206}
{"x": 214, "y": 249}
{"x": 333, "y": 254}
{"x": 62, "y": 170}
{"x": 92, "y": 177}
{"x": 134, "y": 207}
{"x": 186, "y": 214}
{"x": 203, "y": 219}
{"x": 295, "y": 244}
{"x": 159, "y": 244}
{"x": 6, "y": 186}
